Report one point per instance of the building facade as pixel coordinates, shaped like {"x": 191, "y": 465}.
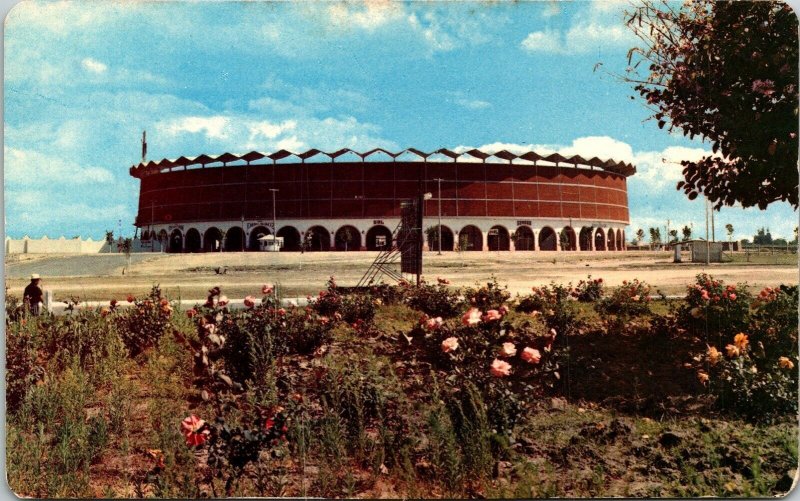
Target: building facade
{"x": 348, "y": 200}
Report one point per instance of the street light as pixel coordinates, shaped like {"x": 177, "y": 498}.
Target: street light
{"x": 439, "y": 181}
{"x": 274, "y": 228}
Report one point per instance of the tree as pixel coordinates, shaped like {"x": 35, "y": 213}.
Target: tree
{"x": 763, "y": 237}
{"x": 110, "y": 237}
{"x": 673, "y": 236}
{"x": 639, "y": 236}
{"x": 655, "y": 236}
{"x": 729, "y": 229}
{"x": 727, "y": 72}
{"x": 687, "y": 232}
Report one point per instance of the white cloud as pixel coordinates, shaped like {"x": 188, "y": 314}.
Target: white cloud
{"x": 213, "y": 127}
{"x": 543, "y": 41}
{"x": 93, "y": 66}
{"x": 32, "y": 168}
{"x": 579, "y": 39}
{"x": 473, "y": 104}
{"x": 368, "y": 15}
{"x": 270, "y": 130}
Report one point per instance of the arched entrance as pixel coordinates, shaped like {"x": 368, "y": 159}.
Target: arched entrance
{"x": 547, "y": 239}
{"x": 255, "y": 234}
{"x": 620, "y": 240}
{"x": 447, "y": 238}
{"x": 291, "y": 238}
{"x": 234, "y": 239}
{"x": 163, "y": 240}
{"x": 610, "y": 240}
{"x": 193, "y": 242}
{"x": 569, "y": 241}
{"x": 523, "y": 239}
{"x": 379, "y": 238}
{"x": 470, "y": 238}
{"x": 175, "y": 241}
{"x": 318, "y": 239}
{"x": 599, "y": 240}
{"x": 347, "y": 238}
{"x": 212, "y": 240}
{"x": 498, "y": 239}
{"x": 585, "y": 239}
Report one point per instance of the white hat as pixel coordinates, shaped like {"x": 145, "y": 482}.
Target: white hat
{"x": 35, "y": 276}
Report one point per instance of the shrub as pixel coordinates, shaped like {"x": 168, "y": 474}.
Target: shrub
{"x": 632, "y": 299}
{"x": 488, "y": 297}
{"x": 774, "y": 321}
{"x": 748, "y": 382}
{"x": 22, "y": 370}
{"x": 434, "y": 300}
{"x": 88, "y": 336}
{"x": 712, "y": 307}
{"x": 553, "y": 303}
{"x": 351, "y": 308}
{"x": 589, "y": 291}
{"x": 141, "y": 326}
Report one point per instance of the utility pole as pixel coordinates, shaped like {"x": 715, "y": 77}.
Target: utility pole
{"x": 243, "y": 233}
{"x": 274, "y": 229}
{"x": 708, "y": 245}
{"x": 713, "y": 232}
{"x": 439, "y": 180}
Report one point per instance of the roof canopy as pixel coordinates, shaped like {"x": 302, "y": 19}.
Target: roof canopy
{"x": 151, "y": 167}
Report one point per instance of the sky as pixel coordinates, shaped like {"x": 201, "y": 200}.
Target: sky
{"x": 84, "y": 79}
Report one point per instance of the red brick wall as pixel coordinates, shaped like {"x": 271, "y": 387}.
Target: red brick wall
{"x": 374, "y": 190}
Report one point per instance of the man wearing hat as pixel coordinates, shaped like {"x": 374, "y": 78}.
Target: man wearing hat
{"x": 33, "y": 295}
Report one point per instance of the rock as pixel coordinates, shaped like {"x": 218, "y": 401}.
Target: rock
{"x": 558, "y": 404}
{"x": 503, "y": 469}
{"x": 785, "y": 483}
{"x": 669, "y": 439}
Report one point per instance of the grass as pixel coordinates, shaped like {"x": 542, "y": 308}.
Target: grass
{"x": 372, "y": 420}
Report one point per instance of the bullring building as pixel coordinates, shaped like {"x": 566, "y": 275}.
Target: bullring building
{"x": 347, "y": 200}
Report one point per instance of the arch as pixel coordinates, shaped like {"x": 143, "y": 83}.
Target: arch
{"x": 498, "y": 240}
{"x": 375, "y": 235}
{"x": 193, "y": 241}
{"x": 163, "y": 239}
{"x": 599, "y": 240}
{"x": 585, "y": 238}
{"x": 175, "y": 241}
{"x": 255, "y": 234}
{"x": 548, "y": 239}
{"x": 523, "y": 239}
{"x": 318, "y": 239}
{"x": 470, "y": 238}
{"x": 610, "y": 244}
{"x": 347, "y": 238}
{"x": 569, "y": 240}
{"x": 291, "y": 238}
{"x": 212, "y": 240}
{"x": 448, "y": 241}
{"x": 620, "y": 240}
{"x": 234, "y": 239}
{"x": 145, "y": 235}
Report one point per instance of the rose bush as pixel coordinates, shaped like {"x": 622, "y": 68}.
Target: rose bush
{"x": 713, "y": 307}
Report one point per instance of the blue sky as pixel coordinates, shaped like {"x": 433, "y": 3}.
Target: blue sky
{"x": 83, "y": 79}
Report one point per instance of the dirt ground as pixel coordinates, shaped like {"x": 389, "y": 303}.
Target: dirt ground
{"x": 189, "y": 276}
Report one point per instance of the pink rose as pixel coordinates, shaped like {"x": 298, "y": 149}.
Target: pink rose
{"x": 732, "y": 296}
{"x": 433, "y": 323}
{"x": 500, "y": 368}
{"x": 531, "y": 355}
{"x": 492, "y": 315}
{"x": 249, "y": 301}
{"x": 222, "y": 301}
{"x": 508, "y": 350}
{"x": 281, "y": 311}
{"x": 503, "y": 310}
{"x": 471, "y": 317}
{"x": 191, "y": 312}
{"x": 450, "y": 344}
{"x": 190, "y": 427}
{"x": 704, "y": 294}
{"x": 267, "y": 289}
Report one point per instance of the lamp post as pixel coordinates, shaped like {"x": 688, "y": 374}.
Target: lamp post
{"x": 439, "y": 181}
{"x": 274, "y": 229}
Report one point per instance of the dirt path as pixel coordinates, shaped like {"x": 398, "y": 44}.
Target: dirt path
{"x": 189, "y": 276}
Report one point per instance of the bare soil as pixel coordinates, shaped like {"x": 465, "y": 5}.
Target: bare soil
{"x": 189, "y": 276}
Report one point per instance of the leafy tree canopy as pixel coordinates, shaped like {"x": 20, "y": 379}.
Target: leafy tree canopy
{"x": 727, "y": 72}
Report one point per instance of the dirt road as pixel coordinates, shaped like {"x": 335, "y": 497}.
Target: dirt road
{"x": 189, "y": 276}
